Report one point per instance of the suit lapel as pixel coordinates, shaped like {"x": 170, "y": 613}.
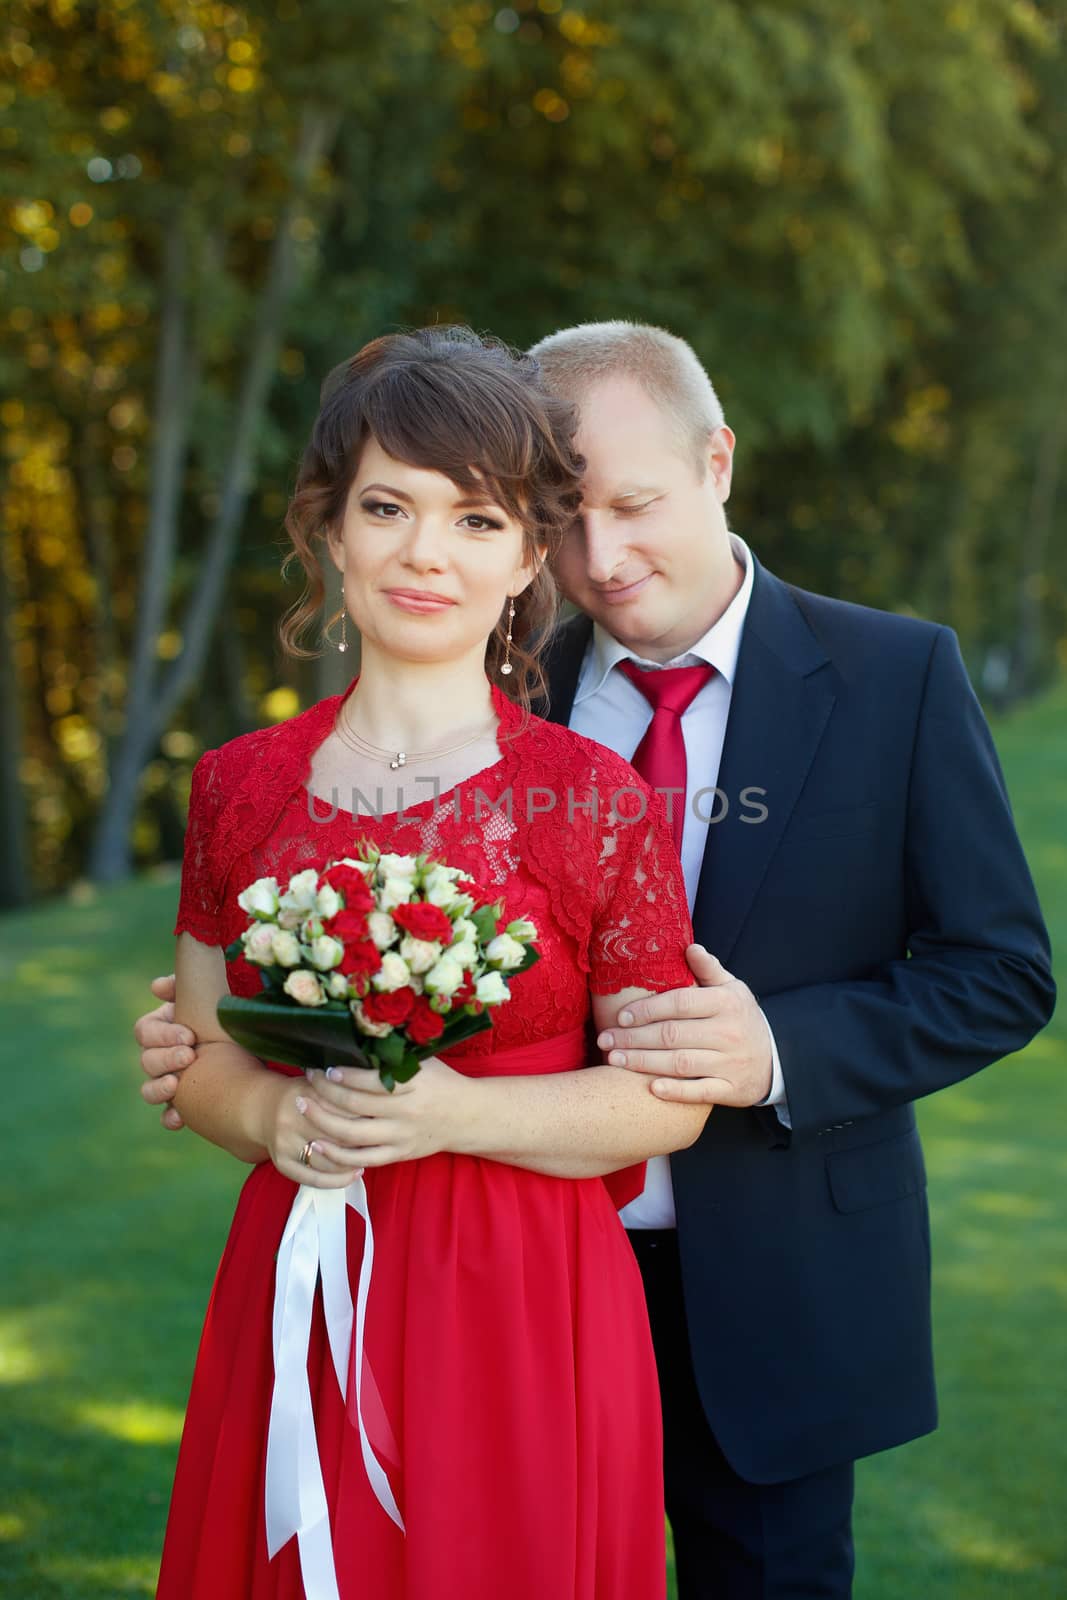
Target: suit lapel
{"x": 782, "y": 697}
{"x": 563, "y": 666}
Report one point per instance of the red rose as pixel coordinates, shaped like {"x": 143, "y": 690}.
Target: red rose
{"x": 424, "y": 921}
{"x": 393, "y": 1008}
{"x": 346, "y": 925}
{"x": 361, "y": 959}
{"x": 424, "y": 1024}
{"x": 350, "y": 882}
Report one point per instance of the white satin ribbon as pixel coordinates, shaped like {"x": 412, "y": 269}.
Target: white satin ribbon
{"x": 313, "y": 1246}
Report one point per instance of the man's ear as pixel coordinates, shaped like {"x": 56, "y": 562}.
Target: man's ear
{"x": 721, "y": 460}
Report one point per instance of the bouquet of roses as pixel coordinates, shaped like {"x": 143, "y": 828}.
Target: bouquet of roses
{"x": 374, "y": 960}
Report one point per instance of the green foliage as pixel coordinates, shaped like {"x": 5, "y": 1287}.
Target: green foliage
{"x": 853, "y": 209}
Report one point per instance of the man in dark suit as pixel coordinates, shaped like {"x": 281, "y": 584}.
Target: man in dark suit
{"x": 852, "y": 862}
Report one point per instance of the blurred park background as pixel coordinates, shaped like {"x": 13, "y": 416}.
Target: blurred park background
{"x": 853, "y": 209}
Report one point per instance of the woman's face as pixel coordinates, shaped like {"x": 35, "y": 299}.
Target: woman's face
{"x": 427, "y": 566}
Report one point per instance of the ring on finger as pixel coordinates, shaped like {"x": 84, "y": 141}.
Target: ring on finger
{"x": 305, "y": 1155}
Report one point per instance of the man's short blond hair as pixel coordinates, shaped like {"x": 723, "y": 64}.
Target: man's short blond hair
{"x": 667, "y": 368}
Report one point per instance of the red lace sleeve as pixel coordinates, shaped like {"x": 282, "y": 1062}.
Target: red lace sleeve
{"x": 641, "y": 925}
{"x": 199, "y": 902}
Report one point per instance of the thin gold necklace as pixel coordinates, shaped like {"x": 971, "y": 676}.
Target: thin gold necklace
{"x": 399, "y": 758}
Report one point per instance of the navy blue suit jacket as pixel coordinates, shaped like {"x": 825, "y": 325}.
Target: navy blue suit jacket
{"x": 884, "y": 916}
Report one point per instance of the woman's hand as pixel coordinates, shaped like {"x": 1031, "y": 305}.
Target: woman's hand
{"x": 348, "y": 1113}
{"x": 289, "y": 1132}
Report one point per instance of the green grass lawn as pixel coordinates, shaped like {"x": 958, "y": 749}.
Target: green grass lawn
{"x": 111, "y": 1231}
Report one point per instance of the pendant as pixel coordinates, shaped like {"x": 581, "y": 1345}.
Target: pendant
{"x": 506, "y": 668}
{"x": 398, "y": 760}
{"x": 342, "y": 647}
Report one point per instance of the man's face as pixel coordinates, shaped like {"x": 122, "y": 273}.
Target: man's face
{"x": 649, "y": 555}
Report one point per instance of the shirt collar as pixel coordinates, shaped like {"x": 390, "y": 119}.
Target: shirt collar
{"x": 718, "y": 648}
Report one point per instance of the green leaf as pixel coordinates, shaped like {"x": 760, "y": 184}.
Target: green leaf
{"x": 389, "y": 1051}
{"x": 296, "y": 1035}
{"x": 485, "y": 920}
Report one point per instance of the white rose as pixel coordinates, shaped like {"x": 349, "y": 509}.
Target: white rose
{"x": 505, "y": 952}
{"x": 311, "y": 929}
{"x": 373, "y": 1030}
{"x": 464, "y": 931}
{"x": 260, "y": 899}
{"x": 286, "y": 948}
{"x": 398, "y": 866}
{"x": 326, "y": 952}
{"x": 420, "y": 954}
{"x": 327, "y": 901}
{"x": 466, "y": 952}
{"x": 395, "y": 892}
{"x": 258, "y": 941}
{"x": 337, "y": 986}
{"x": 290, "y": 918}
{"x": 444, "y": 977}
{"x": 491, "y": 989}
{"x": 522, "y": 929}
{"x": 382, "y": 929}
{"x": 438, "y": 870}
{"x": 302, "y": 889}
{"x": 393, "y": 973}
{"x": 305, "y": 988}
{"x": 439, "y": 886}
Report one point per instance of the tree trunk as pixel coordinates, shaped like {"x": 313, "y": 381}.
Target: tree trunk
{"x": 109, "y": 857}
{"x": 15, "y": 886}
{"x": 318, "y": 128}
{"x": 1036, "y": 537}
{"x": 154, "y": 697}
{"x": 95, "y": 517}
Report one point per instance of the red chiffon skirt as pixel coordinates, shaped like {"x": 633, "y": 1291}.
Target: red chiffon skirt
{"x": 514, "y": 1401}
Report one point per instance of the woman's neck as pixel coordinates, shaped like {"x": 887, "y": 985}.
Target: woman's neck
{"x": 407, "y": 705}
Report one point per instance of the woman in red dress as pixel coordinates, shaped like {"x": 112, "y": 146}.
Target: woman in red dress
{"x": 508, "y": 1382}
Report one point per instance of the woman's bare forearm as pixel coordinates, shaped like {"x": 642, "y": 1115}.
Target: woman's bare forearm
{"x": 576, "y": 1124}
{"x": 228, "y": 1097}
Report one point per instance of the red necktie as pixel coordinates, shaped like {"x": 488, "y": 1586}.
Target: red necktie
{"x": 660, "y": 757}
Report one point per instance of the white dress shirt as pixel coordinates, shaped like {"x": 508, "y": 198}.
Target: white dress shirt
{"x": 610, "y": 709}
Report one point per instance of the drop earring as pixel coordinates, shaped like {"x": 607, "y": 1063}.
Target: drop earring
{"x": 343, "y": 645}
{"x": 505, "y": 666}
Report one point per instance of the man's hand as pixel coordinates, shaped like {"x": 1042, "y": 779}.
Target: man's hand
{"x": 705, "y": 1046}
{"x": 167, "y": 1048}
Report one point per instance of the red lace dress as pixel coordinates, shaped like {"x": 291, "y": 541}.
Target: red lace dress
{"x": 517, "y": 1405}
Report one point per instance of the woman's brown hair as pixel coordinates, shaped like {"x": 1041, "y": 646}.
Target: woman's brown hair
{"x": 450, "y": 401}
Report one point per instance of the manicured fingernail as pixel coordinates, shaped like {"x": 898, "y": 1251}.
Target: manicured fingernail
{"x": 606, "y": 1040}
{"x": 188, "y": 1038}
{"x": 316, "y": 1147}
{"x": 335, "y": 1075}
{"x": 616, "y": 1059}
{"x": 625, "y": 1018}
{"x": 301, "y": 1104}
{"x": 184, "y": 1057}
